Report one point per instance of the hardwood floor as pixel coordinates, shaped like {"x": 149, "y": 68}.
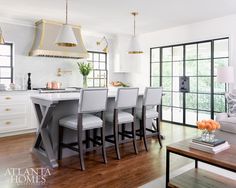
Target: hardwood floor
{"x": 131, "y": 171}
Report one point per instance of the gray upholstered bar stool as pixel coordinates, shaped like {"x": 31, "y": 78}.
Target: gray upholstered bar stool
{"x": 152, "y": 98}
{"x": 126, "y": 99}
{"x": 91, "y": 101}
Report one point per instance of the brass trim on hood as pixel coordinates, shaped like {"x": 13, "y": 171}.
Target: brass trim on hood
{"x": 49, "y": 53}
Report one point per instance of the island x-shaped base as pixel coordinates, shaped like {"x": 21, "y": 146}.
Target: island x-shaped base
{"x": 43, "y": 147}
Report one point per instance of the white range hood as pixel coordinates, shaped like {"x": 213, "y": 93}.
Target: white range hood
{"x": 44, "y": 42}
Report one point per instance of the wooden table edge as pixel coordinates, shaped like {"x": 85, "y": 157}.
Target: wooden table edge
{"x": 202, "y": 158}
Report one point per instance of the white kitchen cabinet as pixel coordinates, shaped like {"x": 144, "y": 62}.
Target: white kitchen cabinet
{"x": 17, "y": 114}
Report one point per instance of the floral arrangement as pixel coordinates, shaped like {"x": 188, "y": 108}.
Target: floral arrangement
{"x": 208, "y": 125}
{"x": 85, "y": 68}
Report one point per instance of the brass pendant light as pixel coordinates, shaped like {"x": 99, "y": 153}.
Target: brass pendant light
{"x": 66, "y": 36}
{"x": 2, "y": 41}
{"x": 134, "y": 46}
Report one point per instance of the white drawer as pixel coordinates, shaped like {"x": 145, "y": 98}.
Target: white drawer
{"x": 12, "y": 124}
{"x": 16, "y": 98}
{"x": 12, "y": 109}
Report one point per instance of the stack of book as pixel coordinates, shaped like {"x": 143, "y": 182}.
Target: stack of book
{"x": 214, "y": 147}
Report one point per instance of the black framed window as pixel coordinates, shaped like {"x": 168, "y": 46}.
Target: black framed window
{"x": 98, "y": 76}
{"x": 198, "y": 61}
{"x": 6, "y": 63}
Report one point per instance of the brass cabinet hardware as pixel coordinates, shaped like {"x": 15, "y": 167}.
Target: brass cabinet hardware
{"x": 7, "y": 122}
{"x": 7, "y": 98}
{"x": 7, "y": 109}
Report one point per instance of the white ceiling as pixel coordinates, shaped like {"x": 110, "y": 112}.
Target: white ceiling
{"x": 113, "y": 16}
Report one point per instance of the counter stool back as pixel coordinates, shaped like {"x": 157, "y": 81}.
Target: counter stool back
{"x": 91, "y": 101}
{"x": 152, "y": 98}
{"x": 126, "y": 99}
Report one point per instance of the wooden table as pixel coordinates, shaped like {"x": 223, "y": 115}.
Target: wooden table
{"x": 199, "y": 177}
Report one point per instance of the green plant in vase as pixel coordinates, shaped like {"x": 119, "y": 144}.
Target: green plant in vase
{"x": 85, "y": 69}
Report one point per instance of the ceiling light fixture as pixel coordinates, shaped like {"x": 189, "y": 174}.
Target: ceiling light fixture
{"x": 105, "y": 49}
{"x": 2, "y": 41}
{"x": 134, "y": 46}
{"x": 66, "y": 36}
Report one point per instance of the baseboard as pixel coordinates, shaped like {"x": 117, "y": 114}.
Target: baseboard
{"x": 18, "y": 132}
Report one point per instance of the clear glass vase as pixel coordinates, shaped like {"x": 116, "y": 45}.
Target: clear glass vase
{"x": 85, "y": 82}
{"x": 208, "y": 136}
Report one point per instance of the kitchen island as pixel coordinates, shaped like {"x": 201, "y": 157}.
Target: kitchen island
{"x": 52, "y": 107}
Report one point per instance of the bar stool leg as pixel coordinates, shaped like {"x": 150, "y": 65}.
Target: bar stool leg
{"x": 141, "y": 129}
{"x": 134, "y": 138}
{"x": 144, "y": 133}
{"x": 80, "y": 141}
{"x": 87, "y": 133}
{"x": 116, "y": 138}
{"x": 158, "y": 131}
{"x": 122, "y": 130}
{"x": 81, "y": 153}
{"x": 116, "y": 135}
{"x": 103, "y": 145}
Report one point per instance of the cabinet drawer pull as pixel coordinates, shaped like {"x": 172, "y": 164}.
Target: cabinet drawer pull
{"x": 7, "y": 122}
{"x": 7, "y": 109}
{"x": 7, "y": 98}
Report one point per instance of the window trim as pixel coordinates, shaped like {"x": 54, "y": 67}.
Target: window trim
{"x": 11, "y": 62}
{"x": 106, "y": 67}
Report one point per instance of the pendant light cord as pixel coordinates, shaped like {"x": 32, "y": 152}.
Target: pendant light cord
{"x": 66, "y": 11}
{"x": 134, "y": 25}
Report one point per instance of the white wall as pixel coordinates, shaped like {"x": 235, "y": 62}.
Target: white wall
{"x": 44, "y": 69}
{"x": 211, "y": 29}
